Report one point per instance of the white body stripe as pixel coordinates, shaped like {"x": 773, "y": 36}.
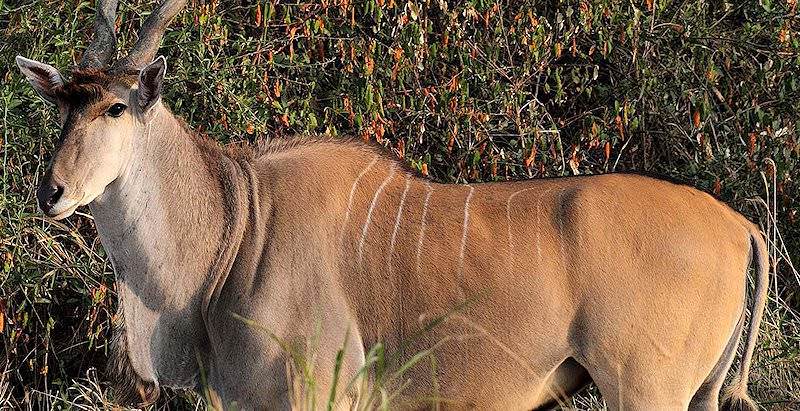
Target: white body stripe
{"x": 350, "y": 199}
{"x": 428, "y": 191}
{"x": 369, "y": 214}
{"x": 464, "y": 235}
{"x": 353, "y": 190}
{"x": 397, "y": 223}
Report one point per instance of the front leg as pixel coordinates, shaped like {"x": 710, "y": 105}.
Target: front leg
{"x": 242, "y": 381}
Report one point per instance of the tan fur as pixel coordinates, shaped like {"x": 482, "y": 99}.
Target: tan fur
{"x": 636, "y": 283}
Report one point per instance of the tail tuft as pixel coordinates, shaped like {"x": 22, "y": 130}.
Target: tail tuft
{"x": 735, "y": 398}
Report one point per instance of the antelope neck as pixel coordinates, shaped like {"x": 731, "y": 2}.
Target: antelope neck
{"x": 169, "y": 226}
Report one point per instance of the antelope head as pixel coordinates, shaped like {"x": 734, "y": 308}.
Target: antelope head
{"x": 103, "y": 108}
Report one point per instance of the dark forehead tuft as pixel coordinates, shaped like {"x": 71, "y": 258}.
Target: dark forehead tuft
{"x": 87, "y": 85}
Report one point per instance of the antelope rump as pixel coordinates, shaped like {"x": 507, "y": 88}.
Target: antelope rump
{"x": 524, "y": 292}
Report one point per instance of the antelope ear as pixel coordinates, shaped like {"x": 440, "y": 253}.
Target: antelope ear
{"x": 150, "y": 80}
{"x": 44, "y": 78}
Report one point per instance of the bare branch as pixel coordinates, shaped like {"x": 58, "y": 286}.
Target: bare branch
{"x": 104, "y": 43}
{"x": 150, "y": 35}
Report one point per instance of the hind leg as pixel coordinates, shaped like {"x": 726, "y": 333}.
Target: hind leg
{"x": 641, "y": 381}
{"x": 632, "y": 390}
{"x": 646, "y": 382}
{"x": 707, "y": 397}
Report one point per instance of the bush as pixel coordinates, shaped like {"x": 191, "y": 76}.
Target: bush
{"x": 703, "y": 92}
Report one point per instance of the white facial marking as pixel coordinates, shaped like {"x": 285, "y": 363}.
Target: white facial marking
{"x": 64, "y": 208}
{"x": 397, "y": 224}
{"x": 369, "y": 214}
{"x": 428, "y": 191}
{"x": 464, "y": 234}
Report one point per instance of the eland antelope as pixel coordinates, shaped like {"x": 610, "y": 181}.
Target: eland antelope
{"x": 636, "y": 284}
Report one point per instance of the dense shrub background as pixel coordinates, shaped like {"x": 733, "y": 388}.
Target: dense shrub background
{"x": 700, "y": 91}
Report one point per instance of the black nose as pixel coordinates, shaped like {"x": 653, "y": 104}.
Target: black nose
{"x": 48, "y": 195}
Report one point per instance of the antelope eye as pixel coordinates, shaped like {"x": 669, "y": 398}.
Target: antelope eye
{"x": 116, "y": 110}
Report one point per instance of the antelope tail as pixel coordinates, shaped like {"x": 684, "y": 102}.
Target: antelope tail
{"x": 735, "y": 396}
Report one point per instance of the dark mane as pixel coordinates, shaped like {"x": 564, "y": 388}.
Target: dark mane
{"x": 264, "y": 147}
{"x": 284, "y": 144}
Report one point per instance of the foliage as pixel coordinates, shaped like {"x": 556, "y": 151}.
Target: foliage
{"x": 703, "y": 92}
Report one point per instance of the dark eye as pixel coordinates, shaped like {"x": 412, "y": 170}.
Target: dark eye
{"x": 116, "y": 110}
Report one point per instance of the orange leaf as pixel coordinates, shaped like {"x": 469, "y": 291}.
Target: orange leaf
{"x": 369, "y": 65}
{"x": 696, "y": 119}
{"x": 783, "y": 35}
{"x": 398, "y": 53}
{"x": 453, "y": 104}
{"x": 453, "y": 86}
{"x": 531, "y": 157}
{"x": 377, "y": 128}
{"x": 348, "y": 107}
{"x": 770, "y": 170}
{"x": 2, "y": 315}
